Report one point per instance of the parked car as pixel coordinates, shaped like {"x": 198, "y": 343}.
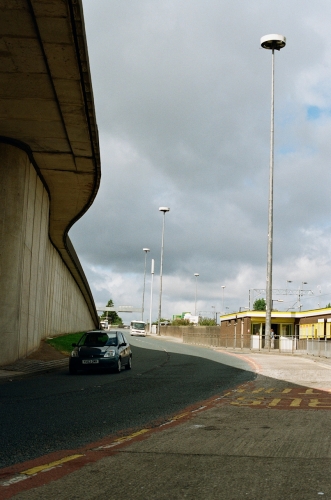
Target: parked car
{"x": 100, "y": 349}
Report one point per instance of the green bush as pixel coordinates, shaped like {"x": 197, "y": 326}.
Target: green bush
{"x": 207, "y": 322}
{"x": 180, "y": 322}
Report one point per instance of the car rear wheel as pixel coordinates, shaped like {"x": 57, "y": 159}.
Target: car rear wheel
{"x": 128, "y": 366}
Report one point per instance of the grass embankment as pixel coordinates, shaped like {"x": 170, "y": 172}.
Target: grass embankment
{"x": 64, "y": 342}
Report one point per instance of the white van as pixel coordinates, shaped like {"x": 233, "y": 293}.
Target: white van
{"x": 138, "y": 328}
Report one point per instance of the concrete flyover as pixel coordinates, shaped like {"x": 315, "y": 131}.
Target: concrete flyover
{"x": 49, "y": 171}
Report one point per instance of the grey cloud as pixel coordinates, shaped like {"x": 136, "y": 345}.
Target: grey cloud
{"x": 182, "y": 94}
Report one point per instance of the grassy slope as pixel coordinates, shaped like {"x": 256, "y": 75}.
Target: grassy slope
{"x": 64, "y": 342}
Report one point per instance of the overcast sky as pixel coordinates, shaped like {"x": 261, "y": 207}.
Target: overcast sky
{"x": 182, "y": 95}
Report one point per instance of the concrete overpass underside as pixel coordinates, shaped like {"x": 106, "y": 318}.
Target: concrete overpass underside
{"x": 49, "y": 171}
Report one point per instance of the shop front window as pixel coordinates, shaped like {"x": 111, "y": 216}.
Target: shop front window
{"x": 257, "y": 328}
{"x": 286, "y": 330}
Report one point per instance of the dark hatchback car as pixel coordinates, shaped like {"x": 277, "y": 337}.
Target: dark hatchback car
{"x": 100, "y": 349}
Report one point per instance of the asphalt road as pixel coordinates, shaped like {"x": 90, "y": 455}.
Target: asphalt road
{"x": 55, "y": 411}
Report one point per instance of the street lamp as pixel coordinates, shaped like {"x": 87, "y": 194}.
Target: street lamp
{"x": 196, "y": 292}
{"x": 151, "y": 301}
{"x": 300, "y": 289}
{"x": 223, "y": 286}
{"x": 276, "y": 300}
{"x": 213, "y": 307}
{"x": 287, "y": 281}
{"x": 164, "y": 210}
{"x": 146, "y": 250}
{"x": 271, "y": 42}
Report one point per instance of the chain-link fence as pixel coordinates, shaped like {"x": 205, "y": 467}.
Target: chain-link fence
{"x": 212, "y": 337}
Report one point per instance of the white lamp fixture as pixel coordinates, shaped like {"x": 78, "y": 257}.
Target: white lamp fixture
{"x": 273, "y": 42}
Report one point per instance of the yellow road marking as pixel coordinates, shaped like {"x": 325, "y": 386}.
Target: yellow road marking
{"x": 286, "y": 391}
{"x": 243, "y": 402}
{"x": 262, "y": 389}
{"x": 315, "y": 403}
{"x": 177, "y": 417}
{"x": 274, "y": 402}
{"x": 40, "y": 468}
{"x": 296, "y": 402}
{"x": 131, "y": 436}
{"x": 309, "y": 391}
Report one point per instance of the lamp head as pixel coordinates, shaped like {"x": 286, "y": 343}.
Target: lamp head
{"x": 146, "y": 250}
{"x": 164, "y": 209}
{"x": 273, "y": 41}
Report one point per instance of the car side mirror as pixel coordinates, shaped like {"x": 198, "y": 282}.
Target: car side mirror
{"x": 122, "y": 344}
{"x": 74, "y": 344}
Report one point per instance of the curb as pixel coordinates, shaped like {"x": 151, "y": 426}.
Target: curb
{"x": 26, "y": 367}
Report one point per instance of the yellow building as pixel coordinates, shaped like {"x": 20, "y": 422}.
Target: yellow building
{"x": 249, "y": 326}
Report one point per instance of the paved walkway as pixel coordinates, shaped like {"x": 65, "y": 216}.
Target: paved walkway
{"x": 45, "y": 359}
{"x": 267, "y": 439}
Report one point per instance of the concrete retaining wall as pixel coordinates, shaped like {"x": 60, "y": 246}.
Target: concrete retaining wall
{"x": 38, "y": 295}
{"x": 209, "y": 336}
{"x": 182, "y": 331}
{"x": 173, "y": 331}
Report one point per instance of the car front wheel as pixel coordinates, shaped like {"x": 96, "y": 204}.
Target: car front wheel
{"x": 128, "y": 366}
{"x": 119, "y": 366}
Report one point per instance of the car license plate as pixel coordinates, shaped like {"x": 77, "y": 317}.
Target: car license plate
{"x": 90, "y": 361}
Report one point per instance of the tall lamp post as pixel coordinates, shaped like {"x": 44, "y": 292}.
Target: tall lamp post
{"x": 223, "y": 286}
{"x": 271, "y": 42}
{"x": 146, "y": 250}
{"x": 196, "y": 293}
{"x": 151, "y": 301}
{"x": 164, "y": 210}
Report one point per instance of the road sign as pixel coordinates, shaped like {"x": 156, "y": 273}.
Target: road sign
{"x": 122, "y": 309}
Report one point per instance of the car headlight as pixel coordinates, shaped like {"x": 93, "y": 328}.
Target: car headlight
{"x": 109, "y": 354}
{"x": 74, "y": 354}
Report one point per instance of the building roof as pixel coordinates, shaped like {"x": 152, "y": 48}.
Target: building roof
{"x": 278, "y": 314}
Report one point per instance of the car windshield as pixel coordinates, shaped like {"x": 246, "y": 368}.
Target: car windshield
{"x": 112, "y": 340}
{"x": 138, "y": 326}
{"x": 97, "y": 339}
